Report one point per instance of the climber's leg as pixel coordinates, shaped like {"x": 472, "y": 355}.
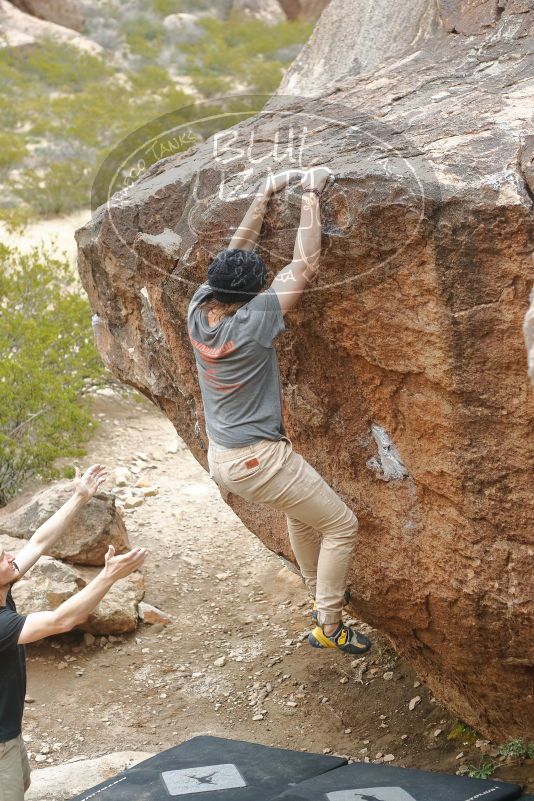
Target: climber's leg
{"x": 273, "y": 474}
{"x": 306, "y": 545}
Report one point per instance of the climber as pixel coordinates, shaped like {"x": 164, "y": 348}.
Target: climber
{"x": 233, "y": 320}
{"x": 16, "y": 630}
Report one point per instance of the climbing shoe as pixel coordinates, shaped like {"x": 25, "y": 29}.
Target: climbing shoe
{"x": 344, "y": 639}
{"x": 315, "y": 613}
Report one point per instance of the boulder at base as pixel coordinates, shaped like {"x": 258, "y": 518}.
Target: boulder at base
{"x": 97, "y": 525}
{"x": 47, "y": 585}
{"x": 117, "y": 612}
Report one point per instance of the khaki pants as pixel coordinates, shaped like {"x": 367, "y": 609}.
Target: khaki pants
{"x": 14, "y": 770}
{"x": 322, "y": 529}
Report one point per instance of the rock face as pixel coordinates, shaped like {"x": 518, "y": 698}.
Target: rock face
{"x": 96, "y": 526}
{"x": 18, "y": 29}
{"x": 403, "y": 367}
{"x": 356, "y": 37}
{"x": 62, "y": 12}
{"x": 528, "y": 327}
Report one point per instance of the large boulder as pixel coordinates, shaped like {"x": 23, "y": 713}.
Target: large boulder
{"x": 62, "y": 12}
{"x": 18, "y": 29}
{"x": 403, "y": 368}
{"x": 117, "y": 612}
{"x": 47, "y": 585}
{"x": 97, "y": 525}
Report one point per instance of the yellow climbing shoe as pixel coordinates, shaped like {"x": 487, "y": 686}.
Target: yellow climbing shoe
{"x": 344, "y": 639}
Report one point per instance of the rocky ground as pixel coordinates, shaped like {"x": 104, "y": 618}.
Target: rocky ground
{"x": 234, "y": 661}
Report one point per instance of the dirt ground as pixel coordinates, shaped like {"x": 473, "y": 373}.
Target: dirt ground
{"x": 228, "y": 597}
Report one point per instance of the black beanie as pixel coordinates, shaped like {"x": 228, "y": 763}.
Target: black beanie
{"x": 236, "y": 276}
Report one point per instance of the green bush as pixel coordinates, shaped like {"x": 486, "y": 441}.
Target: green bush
{"x": 243, "y": 51}
{"x": 144, "y": 36}
{"x": 47, "y": 361}
{"x": 166, "y": 7}
{"x": 517, "y": 748}
{"x": 64, "y": 111}
{"x": 482, "y": 771}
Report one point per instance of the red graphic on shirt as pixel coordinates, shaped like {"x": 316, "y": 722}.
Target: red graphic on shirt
{"x": 211, "y": 358}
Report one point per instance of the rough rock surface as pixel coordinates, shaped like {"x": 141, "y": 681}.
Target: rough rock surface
{"x": 18, "y": 29}
{"x": 403, "y": 369}
{"x": 528, "y": 327}
{"x": 62, "y": 782}
{"x": 96, "y": 526}
{"x": 47, "y": 585}
{"x": 357, "y": 36}
{"x": 117, "y": 611}
{"x": 62, "y": 12}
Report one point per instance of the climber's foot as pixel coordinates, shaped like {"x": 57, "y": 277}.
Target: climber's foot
{"x": 315, "y": 613}
{"x": 343, "y": 638}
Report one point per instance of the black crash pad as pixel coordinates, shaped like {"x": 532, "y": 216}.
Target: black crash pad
{"x": 366, "y": 782}
{"x": 213, "y": 769}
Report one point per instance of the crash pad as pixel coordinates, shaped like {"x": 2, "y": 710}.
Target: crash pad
{"x": 216, "y": 769}
{"x": 367, "y": 782}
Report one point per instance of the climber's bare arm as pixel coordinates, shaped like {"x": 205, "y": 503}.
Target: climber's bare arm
{"x": 52, "y": 529}
{"x": 292, "y": 280}
{"x": 246, "y": 235}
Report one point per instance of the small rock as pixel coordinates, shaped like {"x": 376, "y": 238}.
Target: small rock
{"x": 388, "y": 676}
{"x": 221, "y": 576}
{"x": 437, "y": 732}
{"x": 413, "y": 702}
{"x": 89, "y": 639}
{"x": 257, "y": 717}
{"x": 151, "y": 614}
{"x": 149, "y": 492}
{"x": 348, "y": 731}
{"x": 220, "y": 662}
{"x": 389, "y": 758}
{"x": 40, "y": 758}
{"x": 460, "y": 755}
{"x": 327, "y": 750}
{"x": 344, "y": 680}
{"x": 122, "y": 476}
{"x": 417, "y": 684}
{"x": 132, "y": 503}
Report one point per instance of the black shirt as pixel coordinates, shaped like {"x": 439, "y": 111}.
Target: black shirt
{"x": 12, "y": 671}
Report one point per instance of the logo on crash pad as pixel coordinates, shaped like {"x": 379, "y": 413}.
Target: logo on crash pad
{"x": 371, "y": 794}
{"x": 202, "y": 780}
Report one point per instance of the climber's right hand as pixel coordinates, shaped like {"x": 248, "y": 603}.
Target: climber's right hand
{"x": 316, "y": 178}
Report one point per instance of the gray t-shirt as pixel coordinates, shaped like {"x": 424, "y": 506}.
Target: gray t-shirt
{"x": 238, "y": 369}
